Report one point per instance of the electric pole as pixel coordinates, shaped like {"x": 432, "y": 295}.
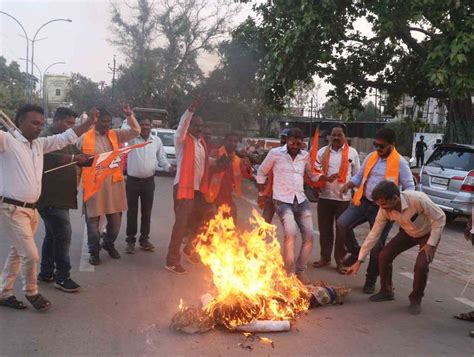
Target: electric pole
{"x": 113, "y": 78}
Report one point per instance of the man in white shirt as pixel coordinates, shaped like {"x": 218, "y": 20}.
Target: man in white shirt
{"x": 421, "y": 223}
{"x": 190, "y": 184}
{"x": 289, "y": 164}
{"x": 339, "y": 162}
{"x": 21, "y": 170}
{"x": 141, "y": 166}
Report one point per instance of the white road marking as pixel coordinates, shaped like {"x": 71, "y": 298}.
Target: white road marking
{"x": 252, "y": 202}
{"x": 84, "y": 264}
{"x": 465, "y": 301}
{"x": 408, "y": 275}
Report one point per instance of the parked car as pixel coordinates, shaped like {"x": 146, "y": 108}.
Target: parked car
{"x": 167, "y": 137}
{"x": 448, "y": 178}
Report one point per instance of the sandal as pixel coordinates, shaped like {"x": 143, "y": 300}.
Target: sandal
{"x": 467, "y": 316}
{"x": 13, "y": 303}
{"x": 39, "y": 302}
{"x": 341, "y": 269}
{"x": 321, "y": 263}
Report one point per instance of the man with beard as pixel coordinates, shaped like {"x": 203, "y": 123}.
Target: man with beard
{"x": 289, "y": 164}
{"x": 226, "y": 176}
{"x": 383, "y": 164}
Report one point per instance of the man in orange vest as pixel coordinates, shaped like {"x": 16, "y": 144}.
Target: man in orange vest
{"x": 190, "y": 186}
{"x": 227, "y": 175}
{"x": 383, "y": 164}
{"x": 111, "y": 199}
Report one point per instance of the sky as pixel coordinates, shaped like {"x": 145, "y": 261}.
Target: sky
{"x": 82, "y": 44}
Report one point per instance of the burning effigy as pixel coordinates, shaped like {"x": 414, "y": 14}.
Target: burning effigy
{"x": 253, "y": 289}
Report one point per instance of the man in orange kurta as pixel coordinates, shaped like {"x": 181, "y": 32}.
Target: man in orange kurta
{"x": 226, "y": 176}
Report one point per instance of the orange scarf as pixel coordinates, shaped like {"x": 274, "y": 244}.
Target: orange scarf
{"x": 391, "y": 173}
{"x": 216, "y": 179}
{"x": 186, "y": 175}
{"x": 88, "y": 148}
{"x": 343, "y": 168}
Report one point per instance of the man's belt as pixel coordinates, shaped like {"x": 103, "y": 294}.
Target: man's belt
{"x": 11, "y": 201}
{"x": 139, "y": 179}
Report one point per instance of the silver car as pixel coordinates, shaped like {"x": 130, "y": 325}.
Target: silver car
{"x": 448, "y": 178}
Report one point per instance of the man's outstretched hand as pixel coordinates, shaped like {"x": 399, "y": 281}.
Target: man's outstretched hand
{"x": 126, "y": 110}
{"x": 354, "y": 269}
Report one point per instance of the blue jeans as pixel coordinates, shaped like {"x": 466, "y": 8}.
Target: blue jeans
{"x": 292, "y": 216}
{"x": 354, "y": 216}
{"x": 93, "y": 234}
{"x": 57, "y": 240}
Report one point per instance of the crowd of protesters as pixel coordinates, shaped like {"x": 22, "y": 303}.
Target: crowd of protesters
{"x": 379, "y": 191}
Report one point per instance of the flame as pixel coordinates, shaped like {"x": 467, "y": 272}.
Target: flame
{"x": 248, "y": 273}
{"x": 181, "y": 305}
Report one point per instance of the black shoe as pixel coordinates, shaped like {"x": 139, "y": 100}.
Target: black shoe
{"x": 67, "y": 285}
{"x": 414, "y": 308}
{"x": 114, "y": 254}
{"x": 130, "y": 248}
{"x": 42, "y": 278}
{"x": 381, "y": 296}
{"x": 350, "y": 260}
{"x": 146, "y": 245}
{"x": 369, "y": 288}
{"x": 94, "y": 259}
{"x": 178, "y": 269}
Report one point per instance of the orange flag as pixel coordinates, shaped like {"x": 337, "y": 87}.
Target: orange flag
{"x": 104, "y": 165}
{"x": 313, "y": 157}
{"x": 314, "y": 151}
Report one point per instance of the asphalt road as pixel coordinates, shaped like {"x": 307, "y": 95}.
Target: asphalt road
{"x": 125, "y": 306}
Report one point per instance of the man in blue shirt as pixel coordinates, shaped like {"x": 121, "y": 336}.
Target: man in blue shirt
{"x": 383, "y": 164}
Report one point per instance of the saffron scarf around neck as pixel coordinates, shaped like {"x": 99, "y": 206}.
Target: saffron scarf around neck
{"x": 391, "y": 172}
{"x": 343, "y": 168}
{"x": 186, "y": 175}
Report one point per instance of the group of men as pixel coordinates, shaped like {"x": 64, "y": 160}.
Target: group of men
{"x": 41, "y": 170}
{"x": 205, "y": 179}
{"x": 377, "y": 200}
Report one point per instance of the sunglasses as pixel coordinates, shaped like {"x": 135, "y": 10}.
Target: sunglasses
{"x": 381, "y": 146}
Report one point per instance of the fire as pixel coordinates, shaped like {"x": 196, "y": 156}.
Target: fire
{"x": 248, "y": 273}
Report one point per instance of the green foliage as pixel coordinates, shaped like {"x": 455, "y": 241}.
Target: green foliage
{"x": 162, "y": 42}
{"x": 12, "y": 87}
{"x": 84, "y": 93}
{"x": 422, "y": 48}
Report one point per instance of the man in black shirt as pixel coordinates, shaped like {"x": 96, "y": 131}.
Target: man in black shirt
{"x": 420, "y": 148}
{"x": 58, "y": 196}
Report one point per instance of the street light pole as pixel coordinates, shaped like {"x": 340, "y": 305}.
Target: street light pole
{"x": 27, "y": 91}
{"x": 34, "y": 39}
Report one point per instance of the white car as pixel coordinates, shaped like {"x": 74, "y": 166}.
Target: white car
{"x": 167, "y": 138}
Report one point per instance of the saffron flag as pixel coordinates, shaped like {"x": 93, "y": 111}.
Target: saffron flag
{"x": 313, "y": 154}
{"x": 104, "y": 165}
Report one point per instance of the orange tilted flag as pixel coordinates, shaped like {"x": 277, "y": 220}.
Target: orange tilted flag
{"x": 314, "y": 151}
{"x": 105, "y": 165}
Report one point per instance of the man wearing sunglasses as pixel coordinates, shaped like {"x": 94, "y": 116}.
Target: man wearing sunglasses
{"x": 385, "y": 163}
{"x": 289, "y": 164}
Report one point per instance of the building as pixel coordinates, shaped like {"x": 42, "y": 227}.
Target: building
{"x": 431, "y": 112}
{"x": 55, "y": 89}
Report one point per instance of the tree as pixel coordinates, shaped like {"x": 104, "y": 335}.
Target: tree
{"x": 12, "y": 87}
{"x": 162, "y": 48}
{"x": 233, "y": 89}
{"x": 422, "y": 48}
{"x": 84, "y": 93}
